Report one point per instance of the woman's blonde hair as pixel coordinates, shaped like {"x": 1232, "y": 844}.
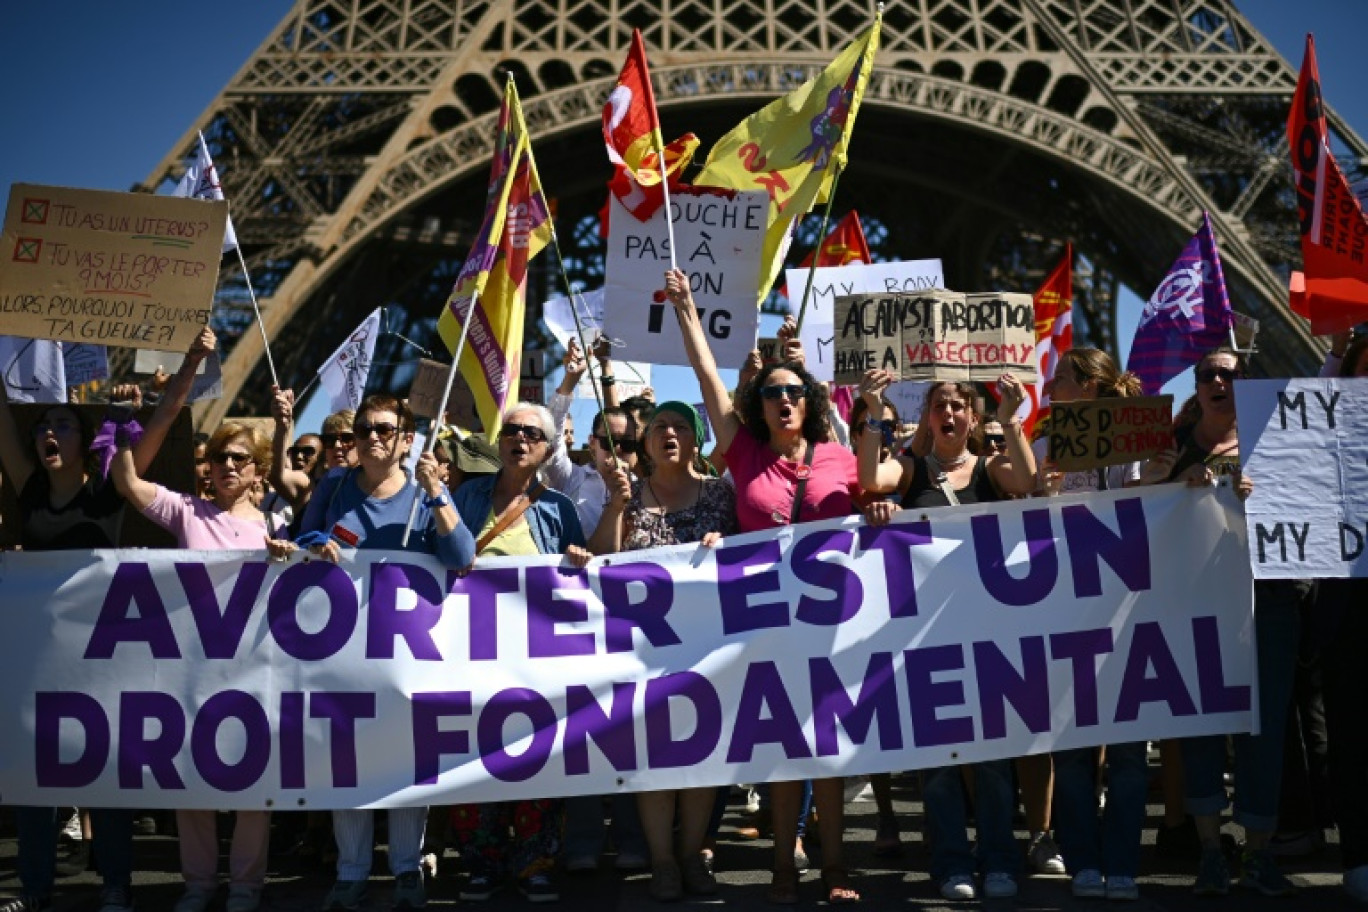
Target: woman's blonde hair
{"x": 258, "y": 444}
{"x": 1093, "y": 364}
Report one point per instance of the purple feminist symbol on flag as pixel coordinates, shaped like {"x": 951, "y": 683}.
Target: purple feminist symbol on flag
{"x": 1188, "y": 314}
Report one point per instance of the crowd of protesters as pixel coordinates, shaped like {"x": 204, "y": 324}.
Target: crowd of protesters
{"x": 782, "y": 456}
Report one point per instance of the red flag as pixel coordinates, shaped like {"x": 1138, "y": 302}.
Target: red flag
{"x": 845, "y": 244}
{"x": 631, "y": 130}
{"x": 1054, "y": 336}
{"x": 1333, "y": 292}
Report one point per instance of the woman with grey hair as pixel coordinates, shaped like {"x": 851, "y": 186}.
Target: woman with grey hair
{"x": 512, "y": 513}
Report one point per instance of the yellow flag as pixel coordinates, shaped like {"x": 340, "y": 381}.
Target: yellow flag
{"x": 794, "y": 146}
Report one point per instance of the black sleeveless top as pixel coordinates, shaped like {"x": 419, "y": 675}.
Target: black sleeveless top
{"x": 923, "y": 491}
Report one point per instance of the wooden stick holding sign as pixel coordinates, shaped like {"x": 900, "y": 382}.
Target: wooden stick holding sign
{"x": 1096, "y": 433}
{"x": 936, "y": 335}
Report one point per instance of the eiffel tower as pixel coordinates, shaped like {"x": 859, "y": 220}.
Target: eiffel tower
{"x": 354, "y": 147}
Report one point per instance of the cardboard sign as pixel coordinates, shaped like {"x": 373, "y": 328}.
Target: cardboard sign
{"x": 124, "y": 269}
{"x": 173, "y": 467}
{"x": 938, "y": 335}
{"x": 532, "y": 376}
{"x": 1304, "y": 442}
{"x": 720, "y": 235}
{"x": 1097, "y": 433}
{"x": 770, "y": 348}
{"x": 425, "y": 396}
{"x": 818, "y": 331}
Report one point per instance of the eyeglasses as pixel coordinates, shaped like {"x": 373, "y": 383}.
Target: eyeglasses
{"x": 301, "y": 452}
{"x": 531, "y": 432}
{"x": 223, "y": 457}
{"x": 1210, "y": 374}
{"x": 382, "y": 429}
{"x": 346, "y": 439}
{"x": 59, "y": 428}
{"x": 791, "y": 391}
{"x": 625, "y": 445}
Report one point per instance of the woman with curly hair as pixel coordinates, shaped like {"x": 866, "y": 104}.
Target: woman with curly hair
{"x": 776, "y": 441}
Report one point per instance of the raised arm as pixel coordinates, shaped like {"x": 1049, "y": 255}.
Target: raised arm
{"x": 608, "y": 535}
{"x": 292, "y": 484}
{"x": 725, "y": 422}
{"x": 876, "y": 477}
{"x": 133, "y": 487}
{"x": 603, "y": 351}
{"x": 1014, "y": 472}
{"x": 16, "y": 459}
{"x": 172, "y": 401}
{"x": 558, "y": 468}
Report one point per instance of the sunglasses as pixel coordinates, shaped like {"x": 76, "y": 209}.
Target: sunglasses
{"x": 346, "y": 439}
{"x": 995, "y": 440}
{"x": 791, "y": 391}
{"x": 301, "y": 452}
{"x": 59, "y": 428}
{"x": 625, "y": 445}
{"x": 1210, "y": 374}
{"x": 382, "y": 429}
{"x": 531, "y": 432}
{"x": 224, "y": 457}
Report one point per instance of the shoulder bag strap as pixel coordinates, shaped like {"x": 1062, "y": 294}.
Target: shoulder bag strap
{"x": 798, "y": 492}
{"x": 509, "y": 516}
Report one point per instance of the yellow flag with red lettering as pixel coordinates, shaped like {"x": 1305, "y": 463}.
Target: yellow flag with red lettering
{"x": 794, "y": 146}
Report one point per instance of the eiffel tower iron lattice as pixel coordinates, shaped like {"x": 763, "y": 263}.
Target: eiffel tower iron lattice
{"x": 354, "y": 146}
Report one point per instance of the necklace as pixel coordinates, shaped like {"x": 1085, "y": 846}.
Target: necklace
{"x": 942, "y": 466}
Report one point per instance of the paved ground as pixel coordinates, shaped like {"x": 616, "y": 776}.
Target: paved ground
{"x": 900, "y": 884}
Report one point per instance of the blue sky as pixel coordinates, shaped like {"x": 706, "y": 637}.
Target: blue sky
{"x": 97, "y": 92}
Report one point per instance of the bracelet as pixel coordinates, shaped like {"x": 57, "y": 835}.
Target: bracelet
{"x": 607, "y": 380}
{"x": 441, "y": 500}
{"x": 873, "y": 424}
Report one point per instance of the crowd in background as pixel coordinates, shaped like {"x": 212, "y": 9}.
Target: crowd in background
{"x": 783, "y": 455}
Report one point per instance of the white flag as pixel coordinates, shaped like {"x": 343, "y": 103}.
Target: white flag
{"x": 33, "y": 370}
{"x": 343, "y": 376}
{"x": 201, "y": 181}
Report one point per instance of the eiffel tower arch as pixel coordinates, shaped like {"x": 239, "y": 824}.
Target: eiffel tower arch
{"x": 354, "y": 147}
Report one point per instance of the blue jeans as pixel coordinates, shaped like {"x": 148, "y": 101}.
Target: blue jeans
{"x": 1258, "y": 758}
{"x": 947, "y": 819}
{"x": 1114, "y": 847}
{"x": 113, "y": 847}
{"x": 584, "y": 826}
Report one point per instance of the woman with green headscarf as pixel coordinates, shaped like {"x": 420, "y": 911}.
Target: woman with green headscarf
{"x": 677, "y": 501}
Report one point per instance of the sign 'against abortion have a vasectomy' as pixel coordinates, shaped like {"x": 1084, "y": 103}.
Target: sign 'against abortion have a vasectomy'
{"x": 204, "y": 679}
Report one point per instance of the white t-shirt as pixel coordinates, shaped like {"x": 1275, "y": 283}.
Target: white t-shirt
{"x": 1089, "y": 479}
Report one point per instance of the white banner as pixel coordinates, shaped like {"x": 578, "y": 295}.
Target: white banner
{"x": 1304, "y": 444}
{"x": 719, "y": 235}
{"x": 819, "y": 330}
{"x": 34, "y": 370}
{"x": 205, "y": 679}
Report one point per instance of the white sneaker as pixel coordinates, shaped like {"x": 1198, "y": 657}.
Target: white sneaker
{"x": 999, "y": 885}
{"x": 958, "y": 887}
{"x": 243, "y": 899}
{"x": 1356, "y": 883}
{"x": 1121, "y": 888}
{"x": 1088, "y": 884}
{"x": 72, "y": 828}
{"x": 1044, "y": 855}
{"x": 195, "y": 899}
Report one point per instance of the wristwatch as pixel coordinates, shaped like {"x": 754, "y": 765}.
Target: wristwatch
{"x": 441, "y": 500}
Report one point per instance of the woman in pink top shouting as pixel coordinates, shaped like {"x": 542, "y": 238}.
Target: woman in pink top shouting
{"x": 776, "y": 441}
{"x": 239, "y": 455}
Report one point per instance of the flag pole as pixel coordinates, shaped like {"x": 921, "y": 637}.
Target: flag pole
{"x": 660, "y": 155}
{"x": 261, "y": 325}
{"x": 430, "y": 444}
{"x": 579, "y": 331}
{"x": 821, "y": 239}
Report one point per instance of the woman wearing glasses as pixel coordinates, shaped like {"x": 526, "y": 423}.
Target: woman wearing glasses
{"x": 67, "y": 501}
{"x": 676, "y": 502}
{"x": 776, "y": 443}
{"x": 239, "y": 455}
{"x": 515, "y": 514}
{"x": 367, "y": 507}
{"x": 948, "y": 475}
{"x": 1208, "y": 448}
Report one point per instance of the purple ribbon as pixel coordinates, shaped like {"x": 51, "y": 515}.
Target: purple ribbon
{"x": 114, "y": 434}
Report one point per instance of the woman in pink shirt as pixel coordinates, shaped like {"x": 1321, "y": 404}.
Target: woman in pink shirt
{"x": 239, "y": 455}
{"x": 776, "y": 441}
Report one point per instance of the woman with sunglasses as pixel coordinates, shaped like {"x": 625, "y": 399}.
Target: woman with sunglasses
{"x": 515, "y": 514}
{"x": 678, "y": 501}
{"x": 67, "y": 500}
{"x": 776, "y": 443}
{"x": 239, "y": 455}
{"x": 1207, "y": 448}
{"x": 1104, "y": 860}
{"x": 366, "y": 508}
{"x": 951, "y": 474}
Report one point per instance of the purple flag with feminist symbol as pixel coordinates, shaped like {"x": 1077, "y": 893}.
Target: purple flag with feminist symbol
{"x": 1188, "y": 314}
